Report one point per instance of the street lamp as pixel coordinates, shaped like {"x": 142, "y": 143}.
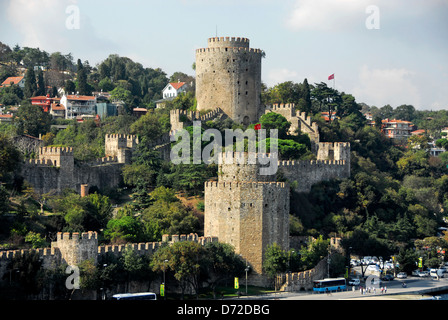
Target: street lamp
{"x": 247, "y": 270}
{"x": 164, "y": 287}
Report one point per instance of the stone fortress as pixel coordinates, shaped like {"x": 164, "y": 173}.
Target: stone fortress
{"x": 56, "y": 170}
{"x": 242, "y": 208}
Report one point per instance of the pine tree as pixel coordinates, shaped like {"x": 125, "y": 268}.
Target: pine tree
{"x": 40, "y": 84}
{"x": 30, "y": 89}
{"x": 305, "y": 100}
{"x": 83, "y": 87}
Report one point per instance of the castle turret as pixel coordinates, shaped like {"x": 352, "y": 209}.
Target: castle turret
{"x": 246, "y": 209}
{"x": 120, "y": 146}
{"x": 228, "y": 76}
{"x": 75, "y": 247}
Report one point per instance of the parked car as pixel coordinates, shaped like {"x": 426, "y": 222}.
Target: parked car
{"x": 422, "y": 274}
{"x": 416, "y": 273}
{"x": 373, "y": 267}
{"x": 354, "y": 282}
{"x": 402, "y": 275}
{"x": 387, "y": 277}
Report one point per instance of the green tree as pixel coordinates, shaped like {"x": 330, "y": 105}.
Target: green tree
{"x": 32, "y": 120}
{"x": 314, "y": 252}
{"x": 30, "y": 88}
{"x": 124, "y": 229}
{"x": 41, "y": 91}
{"x": 185, "y": 261}
{"x": 305, "y": 103}
{"x": 275, "y": 121}
{"x": 36, "y": 239}
{"x": 275, "y": 260}
{"x": 10, "y": 158}
{"x": 222, "y": 264}
{"x": 83, "y": 87}
{"x": 288, "y": 149}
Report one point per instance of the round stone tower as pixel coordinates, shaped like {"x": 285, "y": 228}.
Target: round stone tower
{"x": 228, "y": 76}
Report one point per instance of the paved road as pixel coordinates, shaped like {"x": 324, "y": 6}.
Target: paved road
{"x": 415, "y": 286}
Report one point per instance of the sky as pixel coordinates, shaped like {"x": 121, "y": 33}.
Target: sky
{"x": 380, "y": 51}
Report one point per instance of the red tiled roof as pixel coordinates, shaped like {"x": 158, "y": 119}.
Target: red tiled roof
{"x": 177, "y": 85}
{"x": 5, "y": 116}
{"x": 57, "y": 107}
{"x": 14, "y": 80}
{"x": 78, "y": 97}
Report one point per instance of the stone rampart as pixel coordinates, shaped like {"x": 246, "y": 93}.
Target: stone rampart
{"x": 308, "y": 173}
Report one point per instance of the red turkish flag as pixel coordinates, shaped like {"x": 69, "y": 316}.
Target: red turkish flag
{"x": 331, "y": 77}
{"x": 257, "y": 126}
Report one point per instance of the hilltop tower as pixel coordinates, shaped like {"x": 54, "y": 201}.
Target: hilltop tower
{"x": 228, "y": 76}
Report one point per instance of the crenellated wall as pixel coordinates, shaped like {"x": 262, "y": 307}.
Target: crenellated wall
{"x": 73, "y": 248}
{"x": 56, "y": 170}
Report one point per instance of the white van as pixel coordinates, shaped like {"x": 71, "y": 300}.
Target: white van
{"x": 436, "y": 273}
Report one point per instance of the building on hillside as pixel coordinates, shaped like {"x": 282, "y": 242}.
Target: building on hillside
{"x": 173, "y": 89}
{"x": 57, "y": 110}
{"x": 138, "y": 112}
{"x": 418, "y": 132}
{"x": 44, "y": 101}
{"x": 326, "y": 116}
{"x": 78, "y": 106}
{"x": 20, "y": 81}
{"x": 104, "y": 108}
{"x": 397, "y": 129}
{"x": 6, "y": 118}
{"x": 444, "y": 131}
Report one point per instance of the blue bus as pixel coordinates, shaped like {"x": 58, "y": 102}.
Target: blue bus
{"x": 135, "y": 296}
{"x": 327, "y": 285}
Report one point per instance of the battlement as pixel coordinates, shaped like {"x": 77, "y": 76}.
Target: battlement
{"x": 191, "y": 115}
{"x": 230, "y": 157}
{"x": 211, "y": 115}
{"x": 251, "y": 185}
{"x": 56, "y": 151}
{"x": 42, "y": 252}
{"x": 40, "y": 163}
{"x": 76, "y": 236}
{"x": 101, "y": 161}
{"x": 280, "y": 106}
{"x": 188, "y": 237}
{"x": 123, "y": 140}
{"x": 228, "y": 49}
{"x": 301, "y": 164}
{"x": 228, "y": 42}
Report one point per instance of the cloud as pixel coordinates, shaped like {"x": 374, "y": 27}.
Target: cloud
{"x": 276, "y": 76}
{"x": 328, "y": 15}
{"x": 48, "y": 25}
{"x": 387, "y": 86}
{"x": 325, "y": 14}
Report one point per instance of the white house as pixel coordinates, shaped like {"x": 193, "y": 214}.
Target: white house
{"x": 77, "y": 105}
{"x": 173, "y": 89}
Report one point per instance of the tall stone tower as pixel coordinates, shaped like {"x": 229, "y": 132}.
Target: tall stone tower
{"x": 246, "y": 210}
{"x": 228, "y": 76}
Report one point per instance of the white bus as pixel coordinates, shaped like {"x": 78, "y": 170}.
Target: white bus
{"x": 135, "y": 296}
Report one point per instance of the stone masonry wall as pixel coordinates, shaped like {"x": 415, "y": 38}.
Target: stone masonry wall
{"x": 228, "y": 76}
{"x": 249, "y": 216}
